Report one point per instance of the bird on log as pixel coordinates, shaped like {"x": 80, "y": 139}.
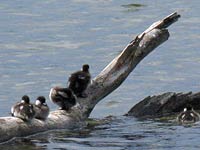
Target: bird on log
{"x": 79, "y": 81}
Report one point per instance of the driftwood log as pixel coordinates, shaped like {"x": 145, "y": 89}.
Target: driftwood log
{"x": 166, "y": 104}
{"x": 103, "y": 84}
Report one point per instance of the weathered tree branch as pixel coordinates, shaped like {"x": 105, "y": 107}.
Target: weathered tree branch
{"x": 107, "y": 81}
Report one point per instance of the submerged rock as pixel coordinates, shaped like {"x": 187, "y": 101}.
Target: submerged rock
{"x": 164, "y": 105}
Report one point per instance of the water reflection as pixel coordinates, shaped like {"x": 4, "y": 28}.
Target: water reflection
{"x": 111, "y": 133}
{"x": 26, "y": 144}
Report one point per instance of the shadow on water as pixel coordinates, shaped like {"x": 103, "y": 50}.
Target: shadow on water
{"x": 133, "y": 7}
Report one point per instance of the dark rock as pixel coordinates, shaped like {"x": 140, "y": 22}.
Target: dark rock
{"x": 164, "y": 105}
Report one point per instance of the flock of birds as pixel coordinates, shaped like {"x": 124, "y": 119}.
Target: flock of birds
{"x": 65, "y": 98}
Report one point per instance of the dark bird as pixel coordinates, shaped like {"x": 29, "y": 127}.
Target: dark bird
{"x": 63, "y": 97}
{"x": 41, "y": 108}
{"x": 188, "y": 116}
{"x": 24, "y": 109}
{"x": 78, "y": 81}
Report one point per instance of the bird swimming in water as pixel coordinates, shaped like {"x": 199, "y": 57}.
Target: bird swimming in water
{"x": 63, "y": 97}
{"x": 24, "y": 109}
{"x": 79, "y": 80}
{"x": 188, "y": 116}
{"x": 41, "y": 108}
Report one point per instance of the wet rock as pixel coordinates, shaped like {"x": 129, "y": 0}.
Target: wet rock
{"x": 165, "y": 104}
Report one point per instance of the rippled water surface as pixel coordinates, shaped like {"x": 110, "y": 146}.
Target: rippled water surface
{"x": 42, "y": 42}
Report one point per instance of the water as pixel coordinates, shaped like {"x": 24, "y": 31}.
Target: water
{"x": 42, "y": 42}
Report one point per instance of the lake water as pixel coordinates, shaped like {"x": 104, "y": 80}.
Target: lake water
{"x": 42, "y": 42}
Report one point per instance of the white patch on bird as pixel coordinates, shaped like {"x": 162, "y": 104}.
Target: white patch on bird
{"x": 63, "y": 94}
{"x": 183, "y": 116}
{"x": 12, "y": 110}
{"x": 50, "y": 93}
{"x": 37, "y": 102}
{"x": 21, "y": 107}
{"x": 81, "y": 77}
{"x": 185, "y": 109}
{"x": 192, "y": 114}
{"x": 15, "y": 114}
{"x": 22, "y": 101}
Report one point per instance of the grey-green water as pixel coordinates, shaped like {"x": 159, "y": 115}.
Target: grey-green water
{"x": 42, "y": 42}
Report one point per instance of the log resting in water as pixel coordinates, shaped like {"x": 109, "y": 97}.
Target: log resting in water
{"x": 166, "y": 104}
{"x": 103, "y": 84}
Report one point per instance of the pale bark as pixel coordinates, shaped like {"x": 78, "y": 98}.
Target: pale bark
{"x": 102, "y": 85}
